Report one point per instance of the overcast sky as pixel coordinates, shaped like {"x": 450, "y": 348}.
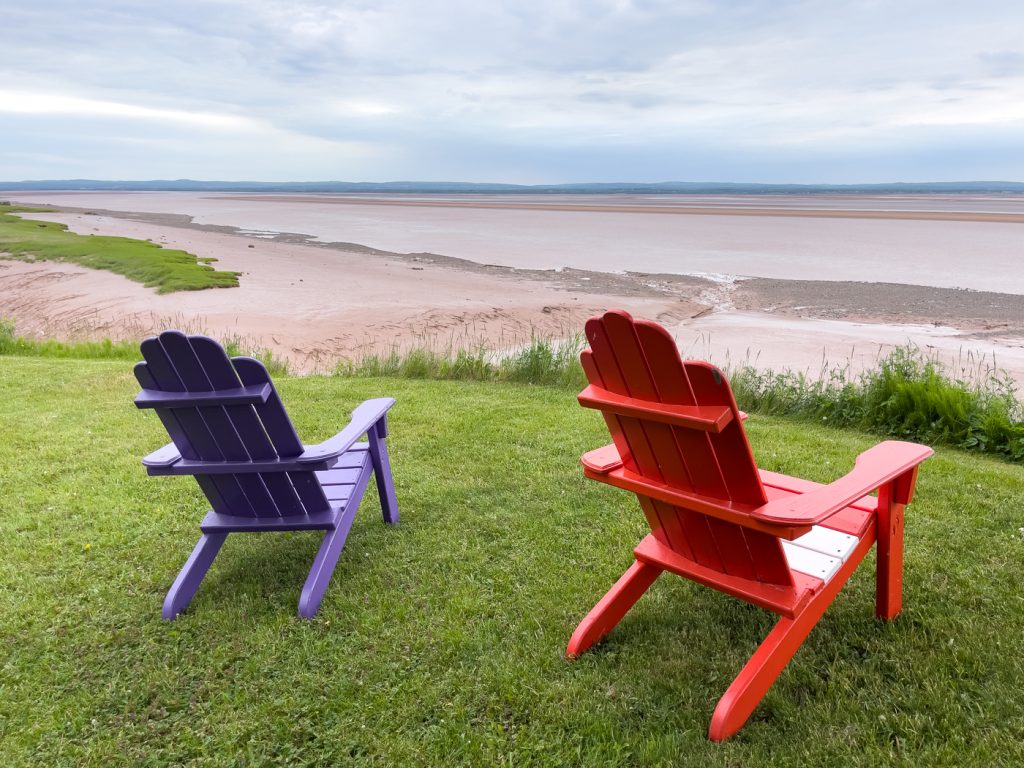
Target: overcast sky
{"x": 517, "y": 91}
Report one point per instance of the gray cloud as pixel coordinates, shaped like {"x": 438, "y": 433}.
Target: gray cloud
{"x": 1004, "y": 63}
{"x": 518, "y": 91}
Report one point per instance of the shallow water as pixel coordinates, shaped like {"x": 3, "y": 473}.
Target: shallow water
{"x": 982, "y": 255}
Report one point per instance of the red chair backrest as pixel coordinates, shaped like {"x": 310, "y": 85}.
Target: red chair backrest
{"x": 639, "y": 359}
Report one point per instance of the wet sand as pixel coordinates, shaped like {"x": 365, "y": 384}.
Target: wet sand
{"x": 312, "y": 305}
{"x": 316, "y": 302}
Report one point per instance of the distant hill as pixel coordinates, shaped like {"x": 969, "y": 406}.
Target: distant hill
{"x": 420, "y": 187}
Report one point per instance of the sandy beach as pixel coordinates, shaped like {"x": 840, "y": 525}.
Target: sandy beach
{"x": 316, "y": 300}
{"x": 311, "y": 305}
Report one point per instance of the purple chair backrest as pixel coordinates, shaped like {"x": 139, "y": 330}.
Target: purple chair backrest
{"x": 176, "y": 363}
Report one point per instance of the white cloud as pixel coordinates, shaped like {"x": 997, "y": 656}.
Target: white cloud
{"x": 32, "y": 103}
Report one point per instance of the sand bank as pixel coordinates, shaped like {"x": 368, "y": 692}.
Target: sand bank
{"x": 810, "y": 209}
{"x": 312, "y": 305}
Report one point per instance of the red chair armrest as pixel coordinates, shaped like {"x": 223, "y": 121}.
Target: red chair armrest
{"x": 874, "y": 468}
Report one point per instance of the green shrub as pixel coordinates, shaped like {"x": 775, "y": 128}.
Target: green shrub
{"x": 907, "y": 396}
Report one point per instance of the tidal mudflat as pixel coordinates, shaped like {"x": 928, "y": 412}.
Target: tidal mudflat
{"x": 783, "y": 280}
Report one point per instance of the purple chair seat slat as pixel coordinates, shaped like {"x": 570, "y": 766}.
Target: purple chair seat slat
{"x": 229, "y": 429}
{"x": 353, "y": 457}
{"x": 318, "y": 521}
{"x": 339, "y": 494}
{"x": 346, "y": 476}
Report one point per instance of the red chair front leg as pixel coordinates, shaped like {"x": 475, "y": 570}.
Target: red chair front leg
{"x": 889, "y": 581}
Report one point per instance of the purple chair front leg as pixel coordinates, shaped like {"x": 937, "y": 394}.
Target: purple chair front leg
{"x": 192, "y": 573}
{"x": 382, "y": 470}
{"x": 327, "y": 558}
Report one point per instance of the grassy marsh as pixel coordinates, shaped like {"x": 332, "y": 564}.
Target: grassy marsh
{"x": 163, "y": 269}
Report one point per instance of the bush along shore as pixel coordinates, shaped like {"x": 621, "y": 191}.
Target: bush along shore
{"x": 907, "y": 396}
{"x": 163, "y": 269}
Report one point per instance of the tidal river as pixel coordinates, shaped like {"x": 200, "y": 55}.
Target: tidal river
{"x": 949, "y": 241}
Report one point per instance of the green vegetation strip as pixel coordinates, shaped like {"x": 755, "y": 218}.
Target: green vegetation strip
{"x": 22, "y": 346}
{"x": 144, "y": 262}
{"x": 907, "y": 396}
{"x": 440, "y": 641}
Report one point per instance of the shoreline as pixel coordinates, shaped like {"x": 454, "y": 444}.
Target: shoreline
{"x": 311, "y": 303}
{"x": 400, "y": 300}
{"x": 873, "y": 302}
{"x": 681, "y": 209}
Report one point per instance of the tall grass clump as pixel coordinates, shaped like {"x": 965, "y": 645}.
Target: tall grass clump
{"x": 12, "y": 344}
{"x": 423, "y": 363}
{"x": 542, "y": 361}
{"x": 546, "y": 362}
{"x": 276, "y": 366}
{"x": 907, "y": 396}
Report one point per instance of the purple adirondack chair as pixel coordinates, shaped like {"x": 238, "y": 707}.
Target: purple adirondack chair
{"x": 231, "y": 432}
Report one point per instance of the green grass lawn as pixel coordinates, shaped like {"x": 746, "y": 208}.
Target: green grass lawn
{"x": 148, "y": 263}
{"x": 440, "y": 642}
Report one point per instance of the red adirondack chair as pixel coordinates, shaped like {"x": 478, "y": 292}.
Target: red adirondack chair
{"x": 779, "y": 542}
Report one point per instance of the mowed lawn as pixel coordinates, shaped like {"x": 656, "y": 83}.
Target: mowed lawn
{"x": 440, "y": 641}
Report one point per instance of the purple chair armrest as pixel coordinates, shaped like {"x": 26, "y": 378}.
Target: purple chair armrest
{"x": 365, "y": 416}
{"x": 163, "y": 457}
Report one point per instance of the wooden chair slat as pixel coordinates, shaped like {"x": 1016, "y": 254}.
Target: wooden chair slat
{"x": 282, "y": 434}
{"x": 638, "y": 451}
{"x": 736, "y": 466}
{"x": 339, "y": 475}
{"x": 617, "y": 349}
{"x": 732, "y": 451}
{"x": 810, "y": 562}
{"x": 202, "y": 443}
{"x": 179, "y": 437}
{"x": 195, "y": 378}
{"x": 626, "y": 433}
{"x": 669, "y": 376}
{"x": 767, "y": 556}
{"x": 284, "y": 501}
{"x": 701, "y": 539}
